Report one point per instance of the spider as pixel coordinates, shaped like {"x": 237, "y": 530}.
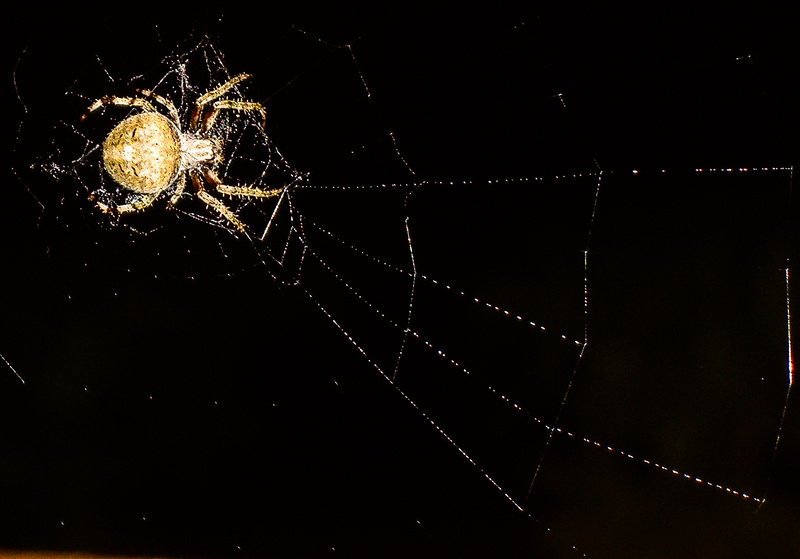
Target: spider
{"x": 149, "y": 154}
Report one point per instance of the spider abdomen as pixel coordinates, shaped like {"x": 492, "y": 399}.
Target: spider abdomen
{"x": 143, "y": 153}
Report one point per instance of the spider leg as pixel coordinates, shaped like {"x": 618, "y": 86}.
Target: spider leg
{"x": 212, "y": 98}
{"x": 221, "y": 90}
{"x": 249, "y": 191}
{"x": 224, "y": 211}
{"x": 123, "y": 101}
{"x": 243, "y": 191}
{"x": 178, "y": 190}
{"x": 211, "y": 117}
{"x": 142, "y": 202}
{"x": 166, "y": 103}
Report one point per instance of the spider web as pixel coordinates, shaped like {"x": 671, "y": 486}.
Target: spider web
{"x": 571, "y": 362}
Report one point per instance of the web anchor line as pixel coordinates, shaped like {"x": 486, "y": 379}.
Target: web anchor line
{"x": 790, "y": 382}
{"x": 407, "y": 329}
{"x": 413, "y": 404}
{"x": 585, "y": 336}
{"x": 13, "y": 370}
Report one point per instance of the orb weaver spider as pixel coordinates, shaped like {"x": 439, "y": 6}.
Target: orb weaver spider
{"x": 149, "y": 154}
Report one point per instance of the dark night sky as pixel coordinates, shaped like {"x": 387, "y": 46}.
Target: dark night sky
{"x": 228, "y": 417}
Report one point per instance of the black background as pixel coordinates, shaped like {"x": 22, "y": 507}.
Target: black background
{"x": 227, "y": 417}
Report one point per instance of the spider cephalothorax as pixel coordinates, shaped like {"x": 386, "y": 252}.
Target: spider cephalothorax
{"x": 150, "y": 153}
